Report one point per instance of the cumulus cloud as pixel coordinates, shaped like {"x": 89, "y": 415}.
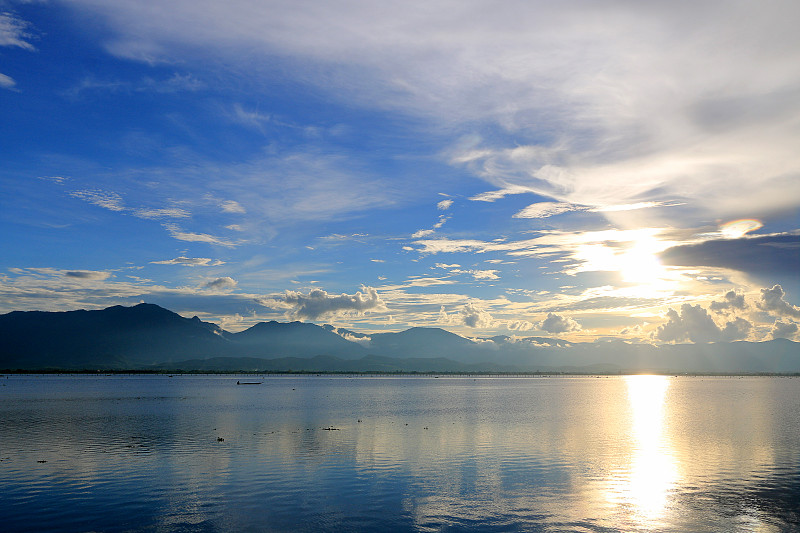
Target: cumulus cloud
{"x": 784, "y": 330}
{"x": 87, "y": 274}
{"x": 735, "y": 330}
{"x": 558, "y": 324}
{"x": 773, "y": 302}
{"x": 189, "y": 261}
{"x": 475, "y": 317}
{"x": 444, "y": 204}
{"x": 318, "y": 303}
{"x": 693, "y": 323}
{"x": 221, "y": 284}
{"x": 731, "y": 300}
{"x": 519, "y": 325}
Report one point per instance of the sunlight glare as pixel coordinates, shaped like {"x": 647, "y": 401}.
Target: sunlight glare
{"x": 653, "y": 471}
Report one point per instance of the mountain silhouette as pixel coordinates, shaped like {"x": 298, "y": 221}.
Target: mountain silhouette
{"x": 149, "y": 337}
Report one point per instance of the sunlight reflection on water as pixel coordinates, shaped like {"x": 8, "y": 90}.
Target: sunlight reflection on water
{"x": 637, "y": 453}
{"x": 652, "y": 472}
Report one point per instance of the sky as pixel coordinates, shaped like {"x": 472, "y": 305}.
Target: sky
{"x": 581, "y": 170}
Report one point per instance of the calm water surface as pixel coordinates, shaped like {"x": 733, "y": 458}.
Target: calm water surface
{"x": 199, "y": 453}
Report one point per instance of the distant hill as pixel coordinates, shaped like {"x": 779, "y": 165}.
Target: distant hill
{"x": 148, "y": 337}
{"x": 115, "y": 337}
{"x": 293, "y": 339}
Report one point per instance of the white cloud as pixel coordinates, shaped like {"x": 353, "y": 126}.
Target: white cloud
{"x": 176, "y": 233}
{"x": 223, "y": 283}
{"x": 13, "y": 32}
{"x": 558, "y": 324}
{"x": 479, "y": 274}
{"x": 784, "y": 330}
{"x": 7, "y": 82}
{"x": 105, "y": 199}
{"x": 491, "y": 196}
{"x": 631, "y": 102}
{"x": 189, "y": 261}
{"x": 166, "y": 212}
{"x": 693, "y": 323}
{"x": 421, "y": 233}
{"x": 232, "y": 206}
{"x": 519, "y": 325}
{"x": 59, "y": 180}
{"x": 318, "y": 303}
{"x": 475, "y": 317}
{"x": 772, "y": 301}
{"x": 444, "y": 204}
{"x": 546, "y": 209}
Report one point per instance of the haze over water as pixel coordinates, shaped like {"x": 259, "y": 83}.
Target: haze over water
{"x": 198, "y": 453}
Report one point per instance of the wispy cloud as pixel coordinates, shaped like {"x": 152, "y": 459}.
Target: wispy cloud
{"x": 163, "y": 212}
{"x": 177, "y": 233}
{"x": 189, "y": 261}
{"x": 7, "y": 82}
{"x": 105, "y": 199}
{"x": 14, "y": 32}
{"x": 232, "y": 206}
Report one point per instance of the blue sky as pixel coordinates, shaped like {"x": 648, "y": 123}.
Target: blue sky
{"x": 583, "y": 170}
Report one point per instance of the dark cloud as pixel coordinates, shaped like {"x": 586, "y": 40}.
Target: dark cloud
{"x": 736, "y": 330}
{"x": 225, "y": 282}
{"x": 730, "y": 300}
{"x": 318, "y": 303}
{"x": 772, "y": 254}
{"x": 87, "y": 274}
{"x": 773, "y": 302}
{"x": 784, "y": 330}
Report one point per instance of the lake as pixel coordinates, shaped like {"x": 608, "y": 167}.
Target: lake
{"x": 400, "y": 453}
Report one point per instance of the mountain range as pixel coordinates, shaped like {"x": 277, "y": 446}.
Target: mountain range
{"x": 149, "y": 337}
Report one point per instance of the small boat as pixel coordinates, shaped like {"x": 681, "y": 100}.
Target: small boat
{"x": 249, "y": 382}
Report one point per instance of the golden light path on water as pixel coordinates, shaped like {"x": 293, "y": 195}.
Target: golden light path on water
{"x": 643, "y": 488}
